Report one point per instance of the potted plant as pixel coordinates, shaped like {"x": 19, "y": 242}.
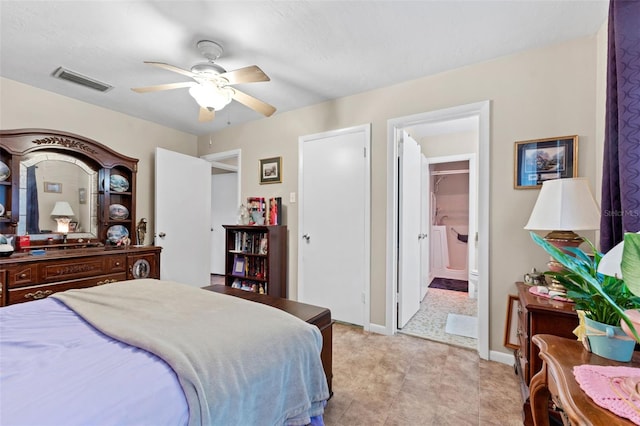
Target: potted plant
{"x": 600, "y": 299}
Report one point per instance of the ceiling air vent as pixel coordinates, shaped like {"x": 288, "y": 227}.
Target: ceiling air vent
{"x": 82, "y": 80}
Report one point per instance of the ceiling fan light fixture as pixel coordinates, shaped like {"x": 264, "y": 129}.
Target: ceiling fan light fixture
{"x": 211, "y": 97}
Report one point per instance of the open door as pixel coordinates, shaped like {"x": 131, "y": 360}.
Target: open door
{"x": 410, "y": 176}
{"x": 183, "y": 217}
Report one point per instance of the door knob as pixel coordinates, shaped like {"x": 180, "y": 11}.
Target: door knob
{"x": 306, "y": 237}
{"x": 162, "y": 235}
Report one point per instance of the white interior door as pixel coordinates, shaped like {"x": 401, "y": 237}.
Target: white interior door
{"x": 425, "y": 227}
{"x": 183, "y": 217}
{"x": 333, "y": 241}
{"x": 224, "y": 211}
{"x": 410, "y": 176}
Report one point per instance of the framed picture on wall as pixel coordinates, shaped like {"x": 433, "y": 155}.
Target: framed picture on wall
{"x": 52, "y": 187}
{"x": 539, "y": 160}
{"x": 271, "y": 170}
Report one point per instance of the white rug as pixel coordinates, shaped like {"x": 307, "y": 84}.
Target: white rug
{"x": 462, "y": 325}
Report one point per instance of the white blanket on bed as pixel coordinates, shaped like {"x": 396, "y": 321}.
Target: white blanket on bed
{"x": 239, "y": 362}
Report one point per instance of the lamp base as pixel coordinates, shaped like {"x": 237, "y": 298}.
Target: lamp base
{"x": 560, "y": 239}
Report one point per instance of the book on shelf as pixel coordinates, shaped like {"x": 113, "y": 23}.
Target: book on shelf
{"x": 264, "y": 242}
{"x": 250, "y": 242}
{"x": 275, "y": 211}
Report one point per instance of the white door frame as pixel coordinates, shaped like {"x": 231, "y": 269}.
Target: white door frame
{"x": 216, "y": 162}
{"x": 366, "y": 291}
{"x": 482, "y": 111}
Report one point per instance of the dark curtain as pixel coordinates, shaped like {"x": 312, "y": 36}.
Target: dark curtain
{"x": 33, "y": 213}
{"x": 621, "y": 166}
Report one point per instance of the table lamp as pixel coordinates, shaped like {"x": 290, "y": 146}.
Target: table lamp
{"x": 62, "y": 214}
{"x": 563, "y": 207}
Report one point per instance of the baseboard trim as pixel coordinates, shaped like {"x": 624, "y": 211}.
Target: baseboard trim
{"x": 380, "y": 329}
{"x": 502, "y": 357}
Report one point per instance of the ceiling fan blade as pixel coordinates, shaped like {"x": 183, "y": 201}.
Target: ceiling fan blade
{"x": 253, "y": 103}
{"x": 171, "y": 68}
{"x": 249, "y": 74}
{"x": 159, "y": 87}
{"x": 206, "y": 114}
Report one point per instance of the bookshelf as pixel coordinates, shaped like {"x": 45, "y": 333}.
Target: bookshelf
{"x": 256, "y": 258}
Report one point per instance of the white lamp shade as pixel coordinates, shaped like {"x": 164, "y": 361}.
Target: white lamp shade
{"x": 611, "y": 262}
{"x": 211, "y": 96}
{"x": 62, "y": 208}
{"x": 565, "y": 205}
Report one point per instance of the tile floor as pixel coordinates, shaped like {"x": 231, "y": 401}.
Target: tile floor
{"x": 404, "y": 380}
{"x": 430, "y": 320}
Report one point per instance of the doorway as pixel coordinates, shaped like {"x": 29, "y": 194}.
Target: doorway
{"x": 434, "y": 119}
{"x": 448, "y": 307}
{"x": 225, "y": 201}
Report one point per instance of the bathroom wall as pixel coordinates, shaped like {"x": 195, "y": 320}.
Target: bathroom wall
{"x": 452, "y": 205}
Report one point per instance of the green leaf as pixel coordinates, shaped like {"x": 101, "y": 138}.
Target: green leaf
{"x": 587, "y": 283}
{"x": 631, "y": 262}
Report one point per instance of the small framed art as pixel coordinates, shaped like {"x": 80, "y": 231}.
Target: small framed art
{"x": 238, "y": 266}
{"x": 52, "y": 187}
{"x": 271, "y": 170}
{"x": 539, "y": 160}
{"x": 511, "y": 324}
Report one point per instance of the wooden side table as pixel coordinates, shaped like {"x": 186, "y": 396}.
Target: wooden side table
{"x": 538, "y": 315}
{"x": 556, "y": 381}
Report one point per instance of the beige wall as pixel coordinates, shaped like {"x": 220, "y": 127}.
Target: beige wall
{"x": 449, "y": 144}
{"x": 536, "y": 94}
{"x": 23, "y": 106}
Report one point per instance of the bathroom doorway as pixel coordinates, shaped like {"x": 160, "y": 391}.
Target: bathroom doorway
{"x": 448, "y": 311}
{"x": 437, "y": 120}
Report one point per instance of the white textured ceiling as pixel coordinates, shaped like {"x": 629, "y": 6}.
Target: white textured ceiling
{"x": 312, "y": 50}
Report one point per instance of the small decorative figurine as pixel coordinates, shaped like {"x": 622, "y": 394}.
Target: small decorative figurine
{"x": 243, "y": 215}
{"x": 141, "y": 231}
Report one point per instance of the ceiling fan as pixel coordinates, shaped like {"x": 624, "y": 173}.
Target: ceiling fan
{"x": 212, "y": 86}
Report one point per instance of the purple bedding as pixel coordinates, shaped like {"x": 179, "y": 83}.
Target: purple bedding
{"x": 37, "y": 356}
{"x": 63, "y": 371}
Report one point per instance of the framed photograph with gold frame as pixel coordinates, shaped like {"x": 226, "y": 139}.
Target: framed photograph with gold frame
{"x": 271, "y": 170}
{"x": 539, "y": 160}
{"x": 511, "y": 324}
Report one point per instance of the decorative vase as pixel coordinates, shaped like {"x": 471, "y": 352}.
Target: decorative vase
{"x": 609, "y": 341}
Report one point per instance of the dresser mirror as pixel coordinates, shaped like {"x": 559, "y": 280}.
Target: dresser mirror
{"x": 48, "y": 177}
{"x": 65, "y": 188}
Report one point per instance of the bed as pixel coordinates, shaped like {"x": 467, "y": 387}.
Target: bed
{"x": 157, "y": 352}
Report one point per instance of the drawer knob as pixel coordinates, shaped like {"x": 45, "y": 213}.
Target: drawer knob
{"x": 22, "y": 276}
{"x": 117, "y": 263}
{"x": 40, "y": 294}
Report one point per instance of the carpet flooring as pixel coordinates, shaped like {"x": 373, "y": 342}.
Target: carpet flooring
{"x": 449, "y": 284}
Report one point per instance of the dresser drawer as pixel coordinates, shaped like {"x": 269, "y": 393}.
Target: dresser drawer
{"x": 22, "y": 275}
{"x": 26, "y": 294}
{"x": 82, "y": 268}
